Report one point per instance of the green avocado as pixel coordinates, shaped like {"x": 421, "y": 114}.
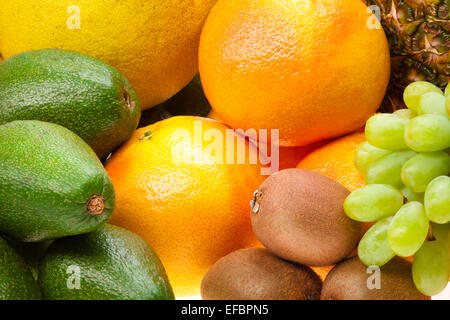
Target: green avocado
{"x": 16, "y": 281}
{"x": 110, "y": 263}
{"x": 52, "y": 184}
{"x": 83, "y": 94}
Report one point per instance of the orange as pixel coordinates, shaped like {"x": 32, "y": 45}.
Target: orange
{"x": 314, "y": 69}
{"x": 182, "y": 196}
{"x": 336, "y": 160}
{"x": 322, "y": 272}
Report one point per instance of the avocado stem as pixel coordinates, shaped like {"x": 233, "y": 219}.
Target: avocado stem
{"x": 127, "y": 98}
{"x": 96, "y": 205}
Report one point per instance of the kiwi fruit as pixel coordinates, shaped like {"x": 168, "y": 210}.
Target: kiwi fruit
{"x": 298, "y": 215}
{"x": 257, "y": 274}
{"x": 350, "y": 279}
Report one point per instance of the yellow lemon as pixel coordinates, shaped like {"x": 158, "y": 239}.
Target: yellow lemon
{"x": 153, "y": 42}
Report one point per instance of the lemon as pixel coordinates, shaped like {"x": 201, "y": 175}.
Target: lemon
{"x": 153, "y": 42}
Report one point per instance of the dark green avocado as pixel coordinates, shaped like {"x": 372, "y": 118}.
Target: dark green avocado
{"x": 83, "y": 94}
{"x": 52, "y": 184}
{"x": 16, "y": 281}
{"x": 110, "y": 263}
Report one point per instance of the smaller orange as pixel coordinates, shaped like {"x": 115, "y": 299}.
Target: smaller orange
{"x": 322, "y": 272}
{"x": 336, "y": 160}
{"x": 180, "y": 185}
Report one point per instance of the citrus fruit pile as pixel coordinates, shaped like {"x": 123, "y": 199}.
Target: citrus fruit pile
{"x": 406, "y": 157}
{"x": 231, "y": 149}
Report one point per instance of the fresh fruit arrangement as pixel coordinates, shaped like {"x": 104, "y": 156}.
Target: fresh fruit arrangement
{"x": 298, "y": 215}
{"x": 54, "y": 186}
{"x": 406, "y": 164}
{"x": 224, "y": 150}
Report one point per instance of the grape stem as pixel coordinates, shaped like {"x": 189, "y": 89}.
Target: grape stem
{"x": 430, "y": 236}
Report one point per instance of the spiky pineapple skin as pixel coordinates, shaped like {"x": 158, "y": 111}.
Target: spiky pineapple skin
{"x": 418, "y": 32}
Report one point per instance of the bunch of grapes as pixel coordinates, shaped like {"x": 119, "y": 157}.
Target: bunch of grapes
{"x": 406, "y": 166}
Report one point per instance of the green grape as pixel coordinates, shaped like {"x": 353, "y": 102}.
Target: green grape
{"x": 415, "y": 90}
{"x": 387, "y": 170}
{"x": 405, "y": 113}
{"x": 432, "y": 103}
{"x": 366, "y": 154}
{"x": 411, "y": 195}
{"x": 431, "y": 268}
{"x": 437, "y": 200}
{"x": 373, "y": 202}
{"x": 422, "y": 168}
{"x": 373, "y": 249}
{"x": 408, "y": 229}
{"x": 427, "y": 133}
{"x": 447, "y": 105}
{"x": 387, "y": 131}
{"x": 447, "y": 90}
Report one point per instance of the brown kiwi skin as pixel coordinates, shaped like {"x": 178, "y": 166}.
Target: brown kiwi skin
{"x": 256, "y": 274}
{"x": 298, "y": 215}
{"x": 348, "y": 281}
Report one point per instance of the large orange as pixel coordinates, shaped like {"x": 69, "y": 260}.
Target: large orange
{"x": 182, "y": 197}
{"x": 315, "y": 69}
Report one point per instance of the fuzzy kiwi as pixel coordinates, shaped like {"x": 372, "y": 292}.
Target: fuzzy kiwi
{"x": 256, "y": 274}
{"x": 298, "y": 215}
{"x": 351, "y": 279}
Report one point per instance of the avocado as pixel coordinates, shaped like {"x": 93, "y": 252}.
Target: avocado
{"x": 110, "y": 263}
{"x": 16, "y": 281}
{"x": 52, "y": 184}
{"x": 83, "y": 94}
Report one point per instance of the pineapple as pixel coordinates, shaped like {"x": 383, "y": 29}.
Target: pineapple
{"x": 418, "y": 32}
